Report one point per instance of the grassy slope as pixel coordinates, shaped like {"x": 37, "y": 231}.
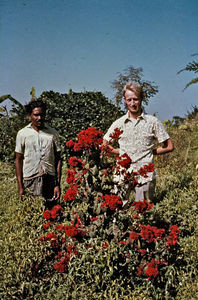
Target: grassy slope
{"x": 21, "y": 226}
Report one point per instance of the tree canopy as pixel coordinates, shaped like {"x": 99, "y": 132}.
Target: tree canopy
{"x": 133, "y": 74}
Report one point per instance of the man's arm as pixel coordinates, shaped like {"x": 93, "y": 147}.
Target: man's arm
{"x": 58, "y": 162}
{"x": 166, "y": 147}
{"x": 19, "y": 172}
{"x": 110, "y": 148}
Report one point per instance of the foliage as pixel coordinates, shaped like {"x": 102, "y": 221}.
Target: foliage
{"x": 27, "y": 269}
{"x": 192, "y": 67}
{"x": 132, "y": 74}
{"x": 76, "y": 111}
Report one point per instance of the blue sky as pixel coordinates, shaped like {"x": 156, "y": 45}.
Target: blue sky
{"x": 83, "y": 44}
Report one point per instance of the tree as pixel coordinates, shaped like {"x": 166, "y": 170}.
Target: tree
{"x": 132, "y": 74}
{"x": 191, "y": 66}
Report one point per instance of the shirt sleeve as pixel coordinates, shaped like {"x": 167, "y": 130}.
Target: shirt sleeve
{"x": 110, "y": 131}
{"x": 160, "y": 133}
{"x": 20, "y": 143}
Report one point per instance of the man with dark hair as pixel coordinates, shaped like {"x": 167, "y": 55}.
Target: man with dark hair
{"x": 38, "y": 155}
{"x": 139, "y": 134}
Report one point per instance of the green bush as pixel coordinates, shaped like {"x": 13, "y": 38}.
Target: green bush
{"x": 68, "y": 114}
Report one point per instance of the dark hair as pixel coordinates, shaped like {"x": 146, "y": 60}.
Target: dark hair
{"x": 33, "y": 104}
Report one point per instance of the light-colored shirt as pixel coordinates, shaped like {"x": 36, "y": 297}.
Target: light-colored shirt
{"x": 138, "y": 139}
{"x": 39, "y": 150}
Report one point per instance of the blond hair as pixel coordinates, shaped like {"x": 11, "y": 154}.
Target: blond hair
{"x": 134, "y": 87}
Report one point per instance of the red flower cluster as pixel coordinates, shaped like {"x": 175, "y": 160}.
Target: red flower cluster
{"x": 142, "y": 206}
{"x": 74, "y": 230}
{"x": 124, "y": 161}
{"x": 47, "y": 225}
{"x": 70, "y": 144}
{"x": 151, "y": 233}
{"x": 112, "y": 202}
{"x": 173, "y": 235}
{"x": 71, "y": 193}
{"x": 71, "y": 176}
{"x": 49, "y": 236}
{"x": 53, "y": 213}
{"x": 76, "y": 162}
{"x": 116, "y": 134}
{"x": 151, "y": 268}
{"x": 61, "y": 266}
{"x": 87, "y": 139}
{"x": 133, "y": 236}
{"x": 146, "y": 169}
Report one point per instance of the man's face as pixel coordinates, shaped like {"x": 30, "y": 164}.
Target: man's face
{"x": 37, "y": 118}
{"x": 133, "y": 103}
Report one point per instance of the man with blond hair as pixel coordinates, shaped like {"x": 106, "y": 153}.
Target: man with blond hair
{"x": 139, "y": 135}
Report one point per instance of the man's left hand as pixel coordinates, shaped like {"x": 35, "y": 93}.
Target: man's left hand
{"x": 57, "y": 192}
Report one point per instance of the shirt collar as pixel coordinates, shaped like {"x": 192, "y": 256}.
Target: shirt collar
{"x": 30, "y": 126}
{"x": 141, "y": 117}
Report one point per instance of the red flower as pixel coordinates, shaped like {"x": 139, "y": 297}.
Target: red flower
{"x": 47, "y": 225}
{"x": 70, "y": 144}
{"x": 93, "y": 219}
{"x": 88, "y": 139}
{"x": 105, "y": 245}
{"x": 76, "y": 162}
{"x": 70, "y": 230}
{"x": 151, "y": 233}
{"x": 61, "y": 266}
{"x": 152, "y": 268}
{"x": 55, "y": 211}
{"x": 60, "y": 227}
{"x": 111, "y": 201}
{"x": 140, "y": 270}
{"x": 50, "y": 236}
{"x": 142, "y": 206}
{"x": 122, "y": 242}
{"x": 173, "y": 235}
{"x": 142, "y": 251}
{"x": 146, "y": 169}
{"x": 133, "y": 236}
{"x": 70, "y": 176}
{"x": 116, "y": 134}
{"x": 47, "y": 214}
{"x": 124, "y": 161}
{"x": 71, "y": 193}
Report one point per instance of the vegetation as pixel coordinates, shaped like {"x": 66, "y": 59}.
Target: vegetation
{"x": 191, "y": 67}
{"x": 27, "y": 262}
{"x": 68, "y": 113}
{"x": 132, "y": 74}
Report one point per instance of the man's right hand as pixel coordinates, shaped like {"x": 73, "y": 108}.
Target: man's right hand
{"x": 21, "y": 191}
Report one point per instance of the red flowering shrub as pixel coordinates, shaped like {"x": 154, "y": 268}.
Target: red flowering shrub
{"x": 98, "y": 220}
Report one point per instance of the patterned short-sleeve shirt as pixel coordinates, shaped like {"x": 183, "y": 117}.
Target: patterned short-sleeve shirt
{"x": 38, "y": 149}
{"x": 138, "y": 139}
